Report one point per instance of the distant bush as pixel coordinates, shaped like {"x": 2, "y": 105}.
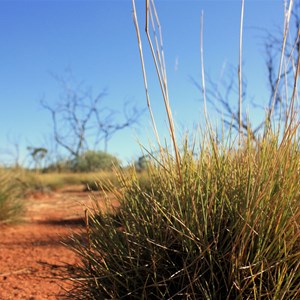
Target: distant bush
{"x": 10, "y": 193}
{"x": 59, "y": 166}
{"x": 89, "y": 161}
{"x": 92, "y": 161}
{"x": 141, "y": 164}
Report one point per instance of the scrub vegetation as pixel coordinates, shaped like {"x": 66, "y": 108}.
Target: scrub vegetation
{"x": 209, "y": 217}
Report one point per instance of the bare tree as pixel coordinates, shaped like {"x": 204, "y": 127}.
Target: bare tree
{"x": 81, "y": 120}
{"x": 221, "y": 96}
{"x": 107, "y": 126}
{"x": 280, "y": 85}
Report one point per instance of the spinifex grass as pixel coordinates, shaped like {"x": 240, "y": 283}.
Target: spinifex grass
{"x": 229, "y": 229}
{"x": 10, "y": 192}
{"x": 222, "y": 224}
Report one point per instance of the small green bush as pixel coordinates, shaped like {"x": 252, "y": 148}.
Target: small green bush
{"x": 92, "y": 161}
{"x": 228, "y": 228}
{"x": 89, "y": 161}
{"x": 10, "y": 193}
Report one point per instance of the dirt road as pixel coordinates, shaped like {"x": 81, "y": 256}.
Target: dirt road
{"x": 32, "y": 257}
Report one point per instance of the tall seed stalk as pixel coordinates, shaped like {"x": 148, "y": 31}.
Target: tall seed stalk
{"x": 159, "y": 62}
{"x": 285, "y": 34}
{"x": 202, "y": 66}
{"x": 136, "y": 24}
{"x": 240, "y": 70}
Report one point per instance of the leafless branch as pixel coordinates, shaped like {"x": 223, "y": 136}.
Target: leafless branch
{"x": 80, "y": 119}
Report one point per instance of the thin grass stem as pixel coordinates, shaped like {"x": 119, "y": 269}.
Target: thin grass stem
{"x": 240, "y": 73}
{"x": 202, "y": 67}
{"x": 144, "y": 72}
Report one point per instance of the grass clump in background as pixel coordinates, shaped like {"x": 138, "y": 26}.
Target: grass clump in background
{"x": 47, "y": 182}
{"x": 94, "y": 172}
{"x": 229, "y": 229}
{"x": 11, "y": 205}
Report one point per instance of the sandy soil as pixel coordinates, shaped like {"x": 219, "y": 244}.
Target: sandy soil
{"x": 33, "y": 259}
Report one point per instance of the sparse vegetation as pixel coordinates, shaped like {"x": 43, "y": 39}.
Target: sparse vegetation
{"x": 10, "y": 192}
{"x": 54, "y": 181}
{"x": 211, "y": 218}
{"x": 102, "y": 180}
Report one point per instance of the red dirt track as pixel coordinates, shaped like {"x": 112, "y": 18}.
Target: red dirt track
{"x": 32, "y": 257}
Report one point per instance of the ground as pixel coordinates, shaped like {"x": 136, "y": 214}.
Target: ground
{"x": 33, "y": 260}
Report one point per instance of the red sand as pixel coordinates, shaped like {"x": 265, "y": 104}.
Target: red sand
{"x": 32, "y": 257}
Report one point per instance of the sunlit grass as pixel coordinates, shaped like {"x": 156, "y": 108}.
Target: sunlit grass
{"x": 11, "y": 205}
{"x": 229, "y": 230}
{"x": 43, "y": 182}
{"x": 221, "y": 222}
{"x": 54, "y": 181}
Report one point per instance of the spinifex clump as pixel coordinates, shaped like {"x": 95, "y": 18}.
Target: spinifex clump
{"x": 221, "y": 224}
{"x": 229, "y": 229}
{"x": 10, "y": 192}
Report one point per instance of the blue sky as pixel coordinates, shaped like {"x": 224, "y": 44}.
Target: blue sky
{"x": 97, "y": 40}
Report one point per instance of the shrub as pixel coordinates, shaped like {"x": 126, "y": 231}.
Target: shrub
{"x": 228, "y": 229}
{"x": 141, "y": 164}
{"x": 89, "y": 161}
{"x": 59, "y": 166}
{"x": 10, "y": 192}
{"x": 92, "y": 161}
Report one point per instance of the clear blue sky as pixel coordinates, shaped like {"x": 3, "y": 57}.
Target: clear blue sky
{"x": 97, "y": 40}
